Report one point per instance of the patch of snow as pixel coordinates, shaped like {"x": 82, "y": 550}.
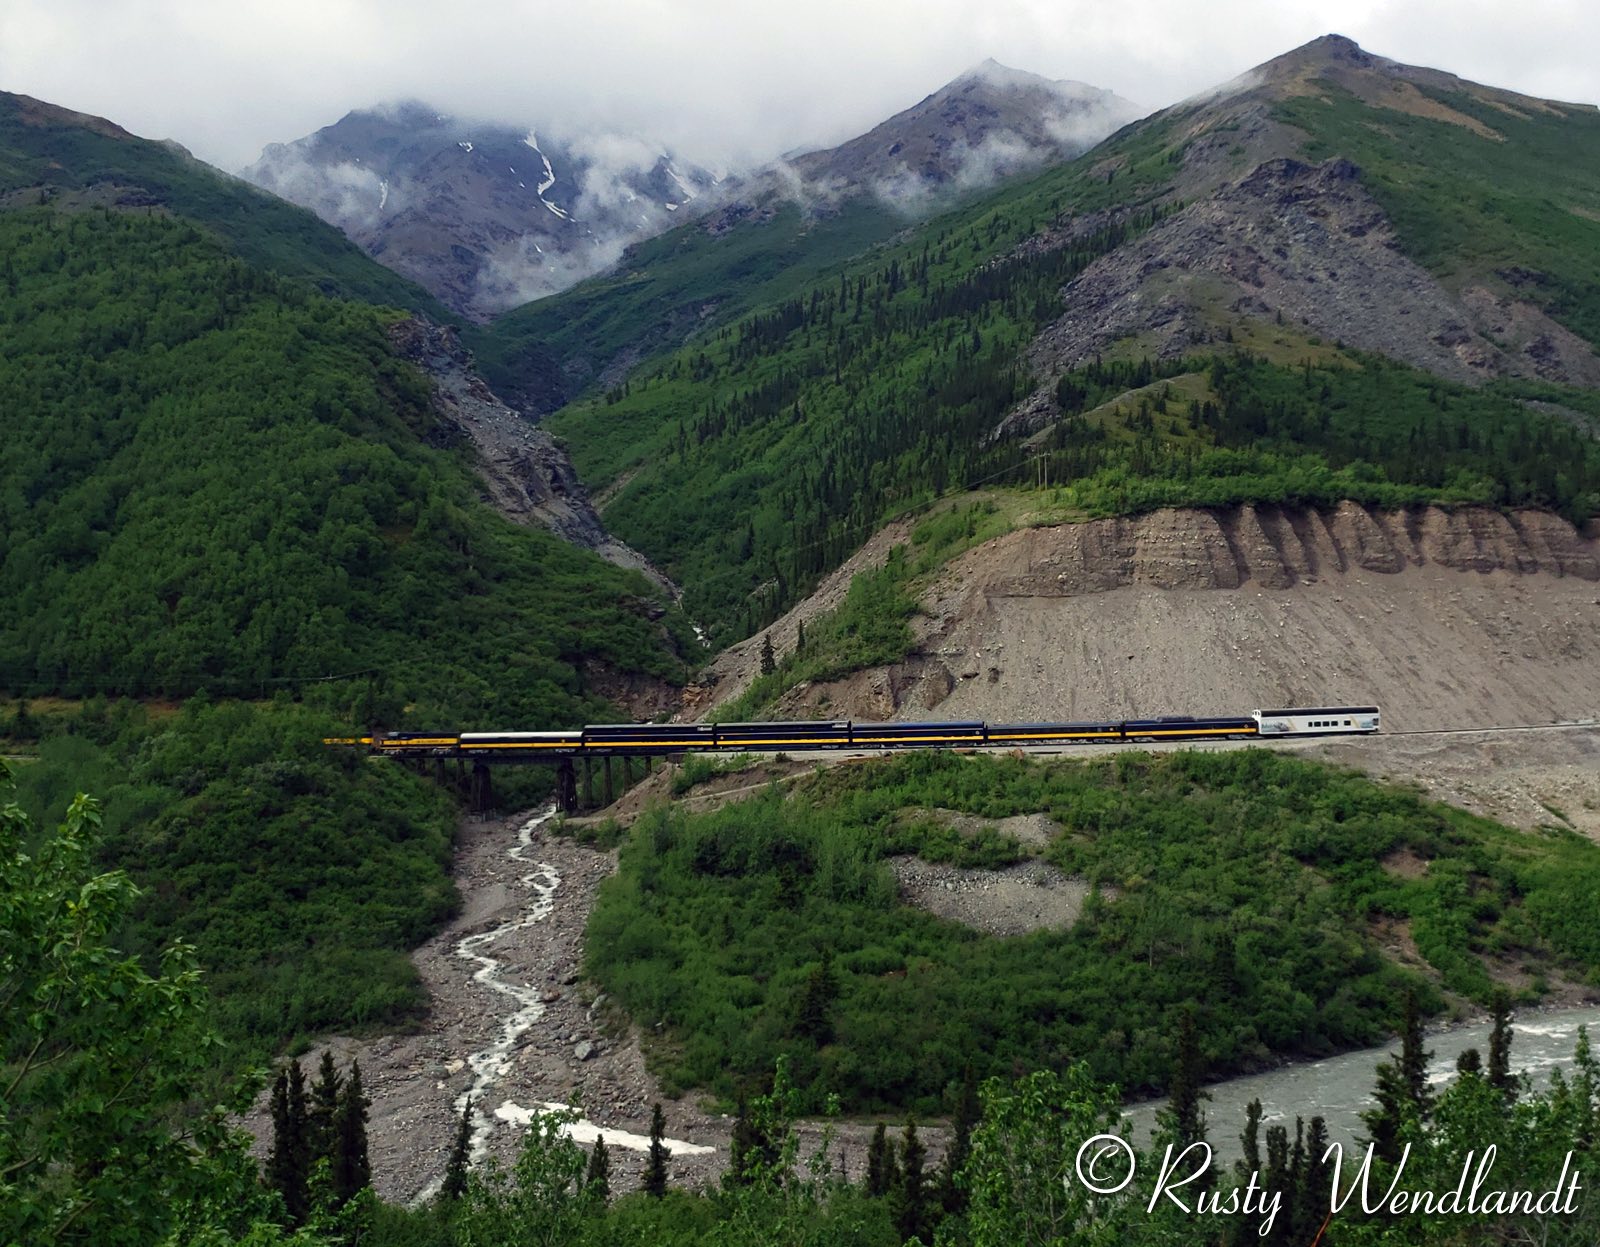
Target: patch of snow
{"x": 672, "y": 207}
{"x": 524, "y": 185}
{"x": 549, "y": 175}
{"x": 532, "y": 140}
{"x": 688, "y": 191}
{"x": 466, "y": 147}
{"x": 384, "y": 197}
{"x": 560, "y": 212}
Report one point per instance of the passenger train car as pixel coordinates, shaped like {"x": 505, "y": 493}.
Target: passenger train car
{"x": 601, "y": 739}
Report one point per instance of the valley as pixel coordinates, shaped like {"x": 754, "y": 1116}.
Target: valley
{"x": 1021, "y": 404}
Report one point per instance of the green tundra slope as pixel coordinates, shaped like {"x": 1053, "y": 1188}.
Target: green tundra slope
{"x": 761, "y": 452}
{"x": 49, "y": 153}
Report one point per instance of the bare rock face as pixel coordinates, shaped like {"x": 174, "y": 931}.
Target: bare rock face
{"x": 527, "y": 476}
{"x": 1273, "y": 547}
{"x": 1308, "y": 243}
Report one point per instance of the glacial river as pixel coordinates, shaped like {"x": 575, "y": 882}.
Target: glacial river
{"x": 1340, "y": 1087}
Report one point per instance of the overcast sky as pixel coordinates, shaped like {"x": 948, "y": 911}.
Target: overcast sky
{"x": 725, "y": 81}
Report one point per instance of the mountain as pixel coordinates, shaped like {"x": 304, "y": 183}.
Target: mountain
{"x": 768, "y": 233}
{"x": 71, "y": 160}
{"x": 220, "y": 477}
{"x": 485, "y": 216}
{"x": 991, "y": 123}
{"x": 1333, "y": 278}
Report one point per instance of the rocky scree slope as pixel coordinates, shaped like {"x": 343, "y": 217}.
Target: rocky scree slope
{"x": 527, "y": 475}
{"x": 1264, "y": 231}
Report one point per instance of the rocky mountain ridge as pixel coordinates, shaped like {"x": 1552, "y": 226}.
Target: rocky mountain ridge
{"x": 484, "y": 215}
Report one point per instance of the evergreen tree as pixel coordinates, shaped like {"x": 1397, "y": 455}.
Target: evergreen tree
{"x": 455, "y": 1172}
{"x": 323, "y": 1108}
{"x": 1316, "y": 1178}
{"x": 1469, "y": 1062}
{"x": 883, "y": 1170}
{"x": 1500, "y": 1076}
{"x": 597, "y": 1180}
{"x": 289, "y": 1164}
{"x": 1184, "y": 1118}
{"x": 968, "y": 1112}
{"x": 655, "y": 1174}
{"x": 1384, "y": 1121}
{"x": 769, "y": 660}
{"x": 1414, "y": 1059}
{"x": 800, "y": 637}
{"x": 1250, "y": 1141}
{"x": 816, "y": 1001}
{"x": 352, "y": 1171}
{"x": 911, "y": 1191}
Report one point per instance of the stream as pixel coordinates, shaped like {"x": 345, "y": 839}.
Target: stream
{"x": 489, "y": 1065}
{"x": 1340, "y": 1087}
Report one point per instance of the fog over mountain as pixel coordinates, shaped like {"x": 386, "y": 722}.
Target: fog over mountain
{"x": 735, "y": 84}
{"x": 488, "y": 216}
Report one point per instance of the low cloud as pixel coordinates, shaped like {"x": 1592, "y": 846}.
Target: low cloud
{"x": 350, "y": 195}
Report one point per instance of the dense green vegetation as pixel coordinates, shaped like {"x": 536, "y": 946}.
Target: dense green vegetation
{"x": 668, "y": 289}
{"x": 770, "y": 452}
{"x": 217, "y": 479}
{"x": 102, "y": 1142}
{"x": 1247, "y": 882}
{"x": 302, "y": 875}
{"x": 1360, "y": 427}
{"x": 1517, "y": 209}
{"x": 76, "y": 159}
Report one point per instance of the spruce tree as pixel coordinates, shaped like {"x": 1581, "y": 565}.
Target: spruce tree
{"x": 877, "y": 1162}
{"x": 455, "y": 1172}
{"x": 655, "y": 1174}
{"x": 769, "y": 660}
{"x": 322, "y": 1109}
{"x": 1250, "y": 1141}
{"x": 289, "y": 1164}
{"x": 1469, "y": 1062}
{"x": 352, "y": 1171}
{"x": 1186, "y": 1119}
{"x": 597, "y": 1181}
{"x": 1383, "y": 1122}
{"x": 816, "y": 1002}
{"x": 968, "y": 1111}
{"x": 911, "y": 1193}
{"x": 1414, "y": 1059}
{"x": 800, "y": 637}
{"x": 1500, "y": 1076}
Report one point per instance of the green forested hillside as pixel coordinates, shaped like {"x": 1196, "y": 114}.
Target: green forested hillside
{"x": 1249, "y": 883}
{"x": 49, "y": 152}
{"x": 757, "y": 455}
{"x": 302, "y": 875}
{"x": 216, "y": 478}
{"x": 665, "y": 290}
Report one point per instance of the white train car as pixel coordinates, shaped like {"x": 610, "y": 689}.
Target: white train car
{"x": 1316, "y": 721}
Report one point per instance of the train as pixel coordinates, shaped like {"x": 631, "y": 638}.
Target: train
{"x": 789, "y": 736}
